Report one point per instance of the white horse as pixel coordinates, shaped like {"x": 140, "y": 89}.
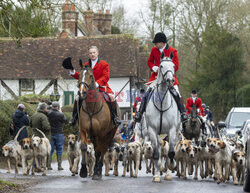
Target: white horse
{"x": 162, "y": 115}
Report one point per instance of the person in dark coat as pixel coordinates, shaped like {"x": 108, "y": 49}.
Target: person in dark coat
{"x": 20, "y": 119}
{"x": 40, "y": 121}
{"x": 56, "y": 120}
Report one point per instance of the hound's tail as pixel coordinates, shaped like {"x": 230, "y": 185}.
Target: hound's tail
{"x": 41, "y": 133}
{"x": 15, "y": 139}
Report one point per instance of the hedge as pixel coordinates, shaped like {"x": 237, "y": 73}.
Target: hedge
{"x": 7, "y": 109}
{"x": 243, "y": 96}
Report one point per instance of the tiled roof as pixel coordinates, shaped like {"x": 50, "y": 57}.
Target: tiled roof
{"x": 41, "y": 58}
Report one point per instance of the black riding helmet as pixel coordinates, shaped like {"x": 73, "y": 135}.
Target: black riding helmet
{"x": 160, "y": 37}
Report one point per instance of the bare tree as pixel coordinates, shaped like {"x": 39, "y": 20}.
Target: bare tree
{"x": 125, "y": 23}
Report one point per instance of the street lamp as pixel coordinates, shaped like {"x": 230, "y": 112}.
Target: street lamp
{"x": 57, "y": 97}
{"x": 54, "y": 97}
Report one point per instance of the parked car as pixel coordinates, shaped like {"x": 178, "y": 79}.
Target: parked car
{"x": 246, "y": 186}
{"x": 245, "y": 132}
{"x": 234, "y": 121}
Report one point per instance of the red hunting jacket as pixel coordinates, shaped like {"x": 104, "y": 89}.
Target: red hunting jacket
{"x": 137, "y": 99}
{"x": 155, "y": 59}
{"x": 101, "y": 74}
{"x": 198, "y": 103}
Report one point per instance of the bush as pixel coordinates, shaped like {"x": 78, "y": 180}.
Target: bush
{"x": 32, "y": 98}
{"x": 7, "y": 110}
{"x": 243, "y": 99}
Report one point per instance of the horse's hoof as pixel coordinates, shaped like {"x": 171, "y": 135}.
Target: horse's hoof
{"x": 43, "y": 174}
{"x": 83, "y": 173}
{"x": 106, "y": 174}
{"x": 156, "y": 179}
{"x": 123, "y": 175}
{"x": 185, "y": 178}
{"x": 195, "y": 178}
{"x": 73, "y": 175}
{"x": 135, "y": 176}
{"x": 96, "y": 177}
{"x": 168, "y": 177}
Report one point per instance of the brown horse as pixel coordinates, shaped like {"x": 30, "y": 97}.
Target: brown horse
{"x": 95, "y": 121}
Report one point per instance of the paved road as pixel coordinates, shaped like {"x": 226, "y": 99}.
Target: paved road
{"x": 63, "y": 182}
{"x": 142, "y": 184}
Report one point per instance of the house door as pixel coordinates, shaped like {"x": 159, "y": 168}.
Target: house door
{"x": 68, "y": 97}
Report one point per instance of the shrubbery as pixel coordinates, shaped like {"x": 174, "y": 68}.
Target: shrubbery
{"x": 7, "y": 110}
{"x": 8, "y": 107}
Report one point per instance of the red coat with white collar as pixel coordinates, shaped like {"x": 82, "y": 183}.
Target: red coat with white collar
{"x": 155, "y": 59}
{"x": 101, "y": 74}
{"x": 198, "y": 103}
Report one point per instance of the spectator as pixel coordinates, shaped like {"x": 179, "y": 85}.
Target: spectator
{"x": 40, "y": 121}
{"x": 20, "y": 119}
{"x": 56, "y": 120}
{"x": 209, "y": 115}
{"x": 124, "y": 130}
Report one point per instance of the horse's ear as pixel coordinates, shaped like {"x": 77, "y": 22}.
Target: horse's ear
{"x": 162, "y": 55}
{"x": 171, "y": 55}
{"x": 80, "y": 64}
{"x": 90, "y": 63}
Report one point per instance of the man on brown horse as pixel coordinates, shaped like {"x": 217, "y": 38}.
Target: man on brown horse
{"x": 101, "y": 74}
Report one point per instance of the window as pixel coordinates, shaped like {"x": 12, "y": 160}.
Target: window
{"x": 238, "y": 118}
{"x": 27, "y": 85}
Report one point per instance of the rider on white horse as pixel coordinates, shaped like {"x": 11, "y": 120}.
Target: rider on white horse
{"x": 161, "y": 45}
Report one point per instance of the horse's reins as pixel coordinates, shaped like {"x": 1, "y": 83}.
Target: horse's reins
{"x": 86, "y": 111}
{"x": 161, "y": 100}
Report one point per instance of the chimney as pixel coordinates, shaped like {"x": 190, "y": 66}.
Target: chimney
{"x": 69, "y": 17}
{"x": 102, "y": 21}
{"x": 88, "y": 17}
{"x": 107, "y": 23}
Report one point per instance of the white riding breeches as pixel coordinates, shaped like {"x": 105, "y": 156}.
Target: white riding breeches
{"x": 153, "y": 84}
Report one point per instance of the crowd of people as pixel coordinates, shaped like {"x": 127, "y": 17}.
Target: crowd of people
{"x": 49, "y": 120}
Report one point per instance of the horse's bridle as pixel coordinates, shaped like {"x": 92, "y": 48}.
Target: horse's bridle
{"x": 168, "y": 71}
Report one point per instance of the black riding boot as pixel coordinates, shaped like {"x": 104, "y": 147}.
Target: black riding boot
{"x": 114, "y": 115}
{"x": 180, "y": 105}
{"x": 142, "y": 108}
{"x": 74, "y": 119}
{"x": 204, "y": 131}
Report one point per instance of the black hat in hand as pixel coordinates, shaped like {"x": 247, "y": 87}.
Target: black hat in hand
{"x": 67, "y": 63}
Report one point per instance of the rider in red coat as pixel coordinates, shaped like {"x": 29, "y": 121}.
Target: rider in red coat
{"x": 194, "y": 100}
{"x": 101, "y": 74}
{"x": 138, "y": 99}
{"x": 161, "y": 45}
{"x": 197, "y": 102}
